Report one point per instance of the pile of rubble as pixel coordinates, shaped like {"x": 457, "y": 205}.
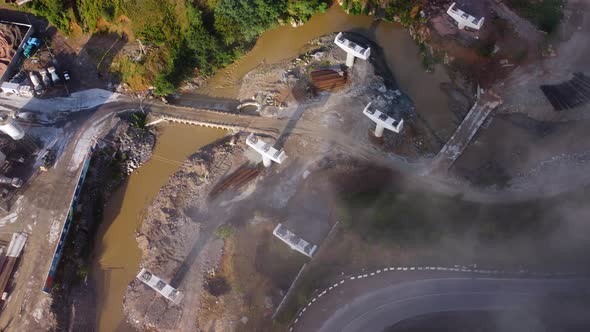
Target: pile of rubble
{"x": 136, "y": 144}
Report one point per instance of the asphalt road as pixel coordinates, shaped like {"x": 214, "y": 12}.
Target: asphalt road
{"x": 383, "y": 307}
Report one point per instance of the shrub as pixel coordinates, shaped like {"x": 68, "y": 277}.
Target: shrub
{"x": 224, "y": 231}
{"x": 55, "y": 11}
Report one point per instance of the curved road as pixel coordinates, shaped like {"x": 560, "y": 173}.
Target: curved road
{"x": 383, "y": 307}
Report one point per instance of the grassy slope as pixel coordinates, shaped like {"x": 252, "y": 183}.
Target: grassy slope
{"x": 181, "y": 35}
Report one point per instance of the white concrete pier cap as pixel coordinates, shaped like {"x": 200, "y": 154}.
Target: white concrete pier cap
{"x": 352, "y": 49}
{"x": 268, "y": 153}
{"x": 382, "y": 121}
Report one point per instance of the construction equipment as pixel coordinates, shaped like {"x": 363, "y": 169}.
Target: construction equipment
{"x": 48, "y": 160}
{"x": 31, "y": 46}
{"x": 36, "y": 82}
{"x": 53, "y": 74}
{"x": 45, "y": 77}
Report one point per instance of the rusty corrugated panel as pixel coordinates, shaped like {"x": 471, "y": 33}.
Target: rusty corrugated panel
{"x": 328, "y": 78}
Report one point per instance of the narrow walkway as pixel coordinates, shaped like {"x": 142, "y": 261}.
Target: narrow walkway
{"x": 216, "y": 119}
{"x": 465, "y": 132}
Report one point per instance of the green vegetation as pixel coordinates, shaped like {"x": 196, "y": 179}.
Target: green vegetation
{"x": 414, "y": 218}
{"x": 405, "y": 10}
{"x": 356, "y": 7}
{"x": 428, "y": 59}
{"x": 89, "y": 12}
{"x": 224, "y": 231}
{"x": 56, "y": 12}
{"x": 545, "y": 14}
{"x": 184, "y": 37}
{"x": 485, "y": 48}
{"x": 303, "y": 10}
{"x": 138, "y": 121}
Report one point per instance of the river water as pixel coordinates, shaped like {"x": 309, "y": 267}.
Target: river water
{"x": 400, "y": 51}
{"x": 118, "y": 256}
{"x": 117, "y": 253}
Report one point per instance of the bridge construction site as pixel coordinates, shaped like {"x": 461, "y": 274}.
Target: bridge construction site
{"x": 273, "y": 156}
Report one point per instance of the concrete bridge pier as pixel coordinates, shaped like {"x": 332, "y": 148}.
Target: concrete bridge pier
{"x": 382, "y": 121}
{"x": 266, "y": 151}
{"x": 349, "y": 60}
{"x": 352, "y": 49}
{"x": 379, "y": 130}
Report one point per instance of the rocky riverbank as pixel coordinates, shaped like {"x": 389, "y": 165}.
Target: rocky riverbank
{"x": 127, "y": 146}
{"x": 175, "y": 237}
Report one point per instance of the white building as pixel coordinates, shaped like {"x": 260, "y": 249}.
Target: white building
{"x": 352, "y": 49}
{"x": 464, "y": 19}
{"x": 382, "y": 121}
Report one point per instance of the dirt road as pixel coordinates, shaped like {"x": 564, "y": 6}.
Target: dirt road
{"x": 42, "y": 213}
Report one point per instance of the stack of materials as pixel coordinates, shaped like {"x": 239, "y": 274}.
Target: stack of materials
{"x": 571, "y": 94}
{"x": 10, "y": 38}
{"x": 8, "y": 261}
{"x": 242, "y": 176}
{"x": 328, "y": 78}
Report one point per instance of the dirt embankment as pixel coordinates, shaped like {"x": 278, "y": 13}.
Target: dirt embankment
{"x": 125, "y": 148}
{"x": 176, "y": 232}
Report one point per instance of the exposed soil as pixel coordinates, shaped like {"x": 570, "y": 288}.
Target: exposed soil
{"x": 176, "y": 232}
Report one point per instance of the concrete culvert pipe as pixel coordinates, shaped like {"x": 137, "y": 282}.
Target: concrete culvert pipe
{"x": 249, "y": 106}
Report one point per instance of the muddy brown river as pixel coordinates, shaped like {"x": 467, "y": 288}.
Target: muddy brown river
{"x": 117, "y": 253}
{"x": 400, "y": 51}
{"x": 118, "y": 257}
